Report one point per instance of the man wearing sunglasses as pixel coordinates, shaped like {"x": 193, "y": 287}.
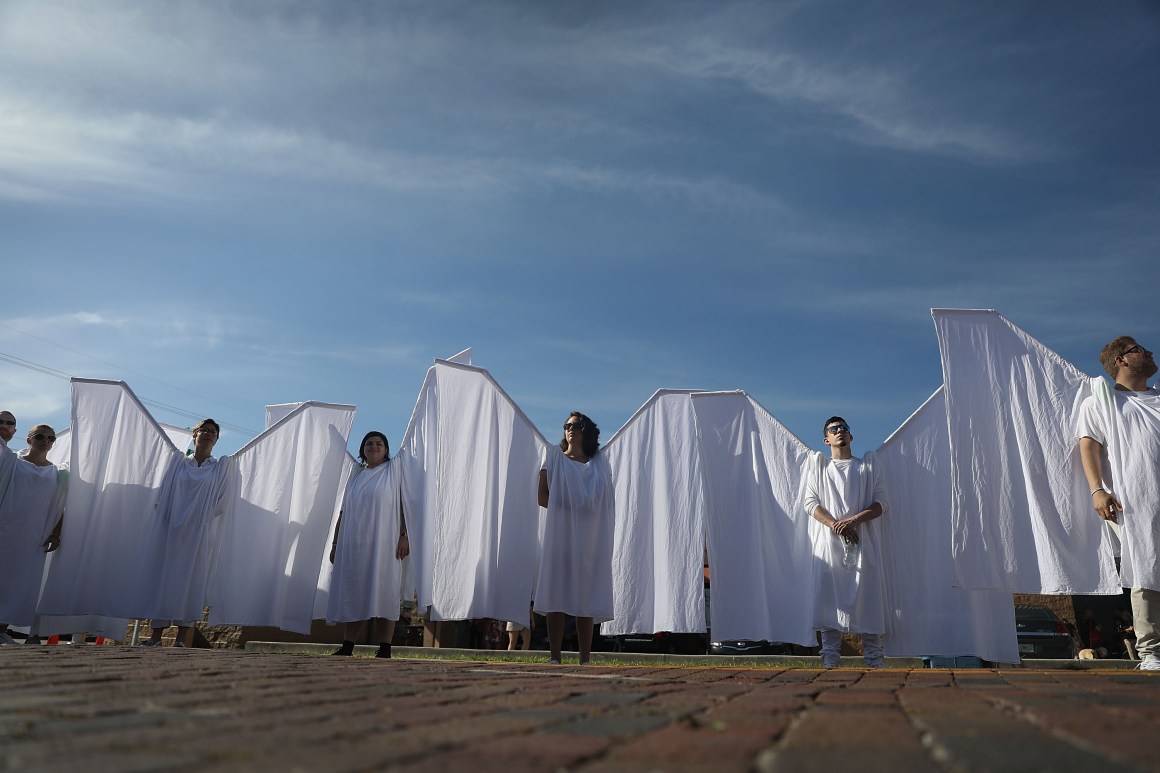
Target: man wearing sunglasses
{"x": 7, "y": 426}
{"x": 844, "y": 495}
{"x": 1119, "y": 444}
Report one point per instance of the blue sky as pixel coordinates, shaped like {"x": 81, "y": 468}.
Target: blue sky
{"x": 229, "y": 204}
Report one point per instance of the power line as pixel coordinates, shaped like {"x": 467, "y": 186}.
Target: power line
{"x": 44, "y": 369}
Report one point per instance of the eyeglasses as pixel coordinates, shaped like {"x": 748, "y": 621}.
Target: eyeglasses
{"x": 7, "y": 423}
{"x": 837, "y": 429}
{"x": 576, "y": 425}
{"x": 42, "y": 436}
{"x": 1134, "y": 350}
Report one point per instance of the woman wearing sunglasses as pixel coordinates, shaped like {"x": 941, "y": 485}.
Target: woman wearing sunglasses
{"x": 576, "y": 571}
{"x": 30, "y": 522}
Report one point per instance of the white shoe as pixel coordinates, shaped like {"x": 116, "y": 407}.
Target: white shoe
{"x": 830, "y": 659}
{"x": 1149, "y": 662}
{"x": 6, "y": 639}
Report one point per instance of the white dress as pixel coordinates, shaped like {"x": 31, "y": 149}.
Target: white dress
{"x": 576, "y": 570}
{"x": 367, "y": 579}
{"x": 29, "y": 507}
{"x": 1127, "y": 424}
{"x": 180, "y": 549}
{"x": 847, "y": 599}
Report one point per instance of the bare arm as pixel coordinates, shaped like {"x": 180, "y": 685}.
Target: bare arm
{"x": 403, "y": 549}
{"x": 1091, "y": 453}
{"x": 334, "y": 544}
{"x": 542, "y": 493}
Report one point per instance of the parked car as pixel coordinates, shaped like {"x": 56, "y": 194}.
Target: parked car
{"x": 1042, "y": 634}
{"x": 663, "y": 642}
{"x": 747, "y": 647}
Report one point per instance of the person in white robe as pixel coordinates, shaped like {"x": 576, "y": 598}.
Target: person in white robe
{"x": 370, "y": 543}
{"x": 1118, "y": 433}
{"x": 31, "y": 513}
{"x": 844, "y": 496}
{"x": 181, "y": 541}
{"x": 7, "y": 426}
{"x": 575, "y": 576}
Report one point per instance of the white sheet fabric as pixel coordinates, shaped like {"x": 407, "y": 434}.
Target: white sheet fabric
{"x": 758, "y": 545}
{"x": 1021, "y": 510}
{"x": 925, "y": 615}
{"x": 278, "y": 519}
{"x": 846, "y": 599}
{"x": 31, "y": 500}
{"x": 1127, "y": 424}
{"x": 576, "y": 568}
{"x": 659, "y": 540}
{"x": 470, "y": 460}
{"x": 127, "y": 478}
{"x": 367, "y": 580}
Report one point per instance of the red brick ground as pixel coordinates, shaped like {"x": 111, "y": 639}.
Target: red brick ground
{"x": 116, "y": 709}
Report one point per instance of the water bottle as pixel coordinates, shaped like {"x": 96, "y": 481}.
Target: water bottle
{"x": 849, "y": 553}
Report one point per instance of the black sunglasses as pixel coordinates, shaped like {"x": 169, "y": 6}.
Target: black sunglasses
{"x": 838, "y": 428}
{"x": 7, "y": 423}
{"x": 576, "y": 425}
{"x": 42, "y": 436}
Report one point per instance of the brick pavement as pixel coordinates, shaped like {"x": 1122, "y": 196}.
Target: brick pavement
{"x": 115, "y": 708}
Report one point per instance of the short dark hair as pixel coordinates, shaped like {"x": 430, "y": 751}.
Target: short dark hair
{"x": 207, "y": 423}
{"x": 368, "y": 436}
{"x": 591, "y": 434}
{"x": 1113, "y": 351}
{"x": 830, "y": 421}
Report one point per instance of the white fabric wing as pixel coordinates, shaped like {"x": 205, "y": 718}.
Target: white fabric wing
{"x": 1021, "y": 512}
{"x": 759, "y": 550}
{"x": 479, "y": 517}
{"x": 659, "y": 544}
{"x": 273, "y": 534}
{"x": 120, "y": 457}
{"x": 926, "y": 615}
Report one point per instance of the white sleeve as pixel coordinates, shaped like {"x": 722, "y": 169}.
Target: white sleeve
{"x": 1089, "y": 423}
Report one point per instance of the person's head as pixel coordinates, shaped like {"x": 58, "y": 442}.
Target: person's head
{"x": 836, "y": 432}
{"x": 41, "y": 437}
{"x": 1124, "y": 352}
{"x": 374, "y": 448}
{"x": 205, "y": 434}
{"x": 580, "y": 427}
{"x": 7, "y": 426}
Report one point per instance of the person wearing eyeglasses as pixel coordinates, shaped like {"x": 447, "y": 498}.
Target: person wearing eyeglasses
{"x": 7, "y": 426}
{"x": 575, "y": 575}
{"x": 31, "y": 516}
{"x": 844, "y": 497}
{"x": 180, "y": 543}
{"x": 1118, "y": 434}
{"x": 370, "y": 543}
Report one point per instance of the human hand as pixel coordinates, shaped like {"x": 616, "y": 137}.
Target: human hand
{"x": 52, "y": 543}
{"x": 845, "y": 529}
{"x": 1106, "y": 505}
{"x": 404, "y": 548}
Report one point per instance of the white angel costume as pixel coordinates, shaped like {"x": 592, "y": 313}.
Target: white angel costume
{"x": 367, "y": 580}
{"x": 576, "y": 568}
{"x": 179, "y": 551}
{"x": 31, "y": 500}
{"x": 849, "y": 592}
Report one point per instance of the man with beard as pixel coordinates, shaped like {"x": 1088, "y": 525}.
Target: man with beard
{"x": 1119, "y": 443}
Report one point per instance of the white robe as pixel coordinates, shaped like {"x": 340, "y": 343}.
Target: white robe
{"x": 180, "y": 549}
{"x": 576, "y": 570}
{"x": 1127, "y": 424}
{"x": 848, "y": 599}
{"x": 30, "y": 505}
{"x": 367, "y": 580}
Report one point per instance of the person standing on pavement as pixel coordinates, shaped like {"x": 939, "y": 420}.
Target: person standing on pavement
{"x": 844, "y": 497}
{"x": 370, "y": 543}
{"x": 1118, "y": 433}
{"x": 576, "y": 571}
{"x": 31, "y": 514}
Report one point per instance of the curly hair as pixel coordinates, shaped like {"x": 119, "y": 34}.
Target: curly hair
{"x": 1110, "y": 353}
{"x": 591, "y": 434}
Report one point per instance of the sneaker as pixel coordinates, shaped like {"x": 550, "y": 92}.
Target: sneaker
{"x": 553, "y": 662}
{"x": 346, "y": 650}
{"x": 179, "y": 644}
{"x": 830, "y": 659}
{"x": 6, "y": 639}
{"x": 32, "y": 639}
{"x": 1149, "y": 662}
{"x": 876, "y": 662}
{"x": 384, "y": 651}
